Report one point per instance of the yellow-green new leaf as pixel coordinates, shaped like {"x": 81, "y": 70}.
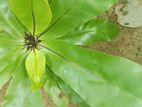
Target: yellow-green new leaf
{"x": 33, "y": 14}
{"x": 35, "y": 65}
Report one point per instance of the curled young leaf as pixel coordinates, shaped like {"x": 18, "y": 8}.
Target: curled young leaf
{"x": 35, "y": 65}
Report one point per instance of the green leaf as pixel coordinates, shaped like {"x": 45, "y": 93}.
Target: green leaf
{"x": 74, "y": 97}
{"x": 119, "y": 73}
{"x": 6, "y": 39}
{"x": 10, "y": 68}
{"x": 70, "y": 14}
{"x": 20, "y": 94}
{"x": 35, "y": 65}
{"x": 8, "y": 47}
{"x": 8, "y": 22}
{"x": 5, "y": 60}
{"x": 92, "y": 32}
{"x": 7, "y": 42}
{"x": 92, "y": 88}
{"x": 55, "y": 87}
{"x": 54, "y": 92}
{"x": 35, "y": 15}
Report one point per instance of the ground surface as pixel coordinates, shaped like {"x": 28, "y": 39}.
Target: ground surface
{"x": 128, "y": 45}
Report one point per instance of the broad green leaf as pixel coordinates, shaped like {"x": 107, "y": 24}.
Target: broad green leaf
{"x": 35, "y": 15}
{"x": 117, "y": 71}
{"x": 74, "y": 97}
{"x": 91, "y": 32}
{"x": 70, "y": 14}
{"x": 52, "y": 89}
{"x": 8, "y": 43}
{"x": 9, "y": 46}
{"x": 10, "y": 68}
{"x": 35, "y": 66}
{"x": 6, "y": 60}
{"x": 6, "y": 39}
{"x": 96, "y": 91}
{"x": 8, "y": 22}
{"x": 56, "y": 86}
{"x": 20, "y": 93}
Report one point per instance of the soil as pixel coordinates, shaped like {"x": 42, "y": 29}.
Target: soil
{"x": 128, "y": 45}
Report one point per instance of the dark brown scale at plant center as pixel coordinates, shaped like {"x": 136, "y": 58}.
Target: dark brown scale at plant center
{"x": 31, "y": 42}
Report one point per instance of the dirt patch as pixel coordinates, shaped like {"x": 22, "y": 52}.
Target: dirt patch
{"x": 47, "y": 101}
{"x": 128, "y": 44}
{"x": 3, "y": 91}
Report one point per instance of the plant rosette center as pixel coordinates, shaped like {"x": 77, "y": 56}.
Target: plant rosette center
{"x": 31, "y": 41}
